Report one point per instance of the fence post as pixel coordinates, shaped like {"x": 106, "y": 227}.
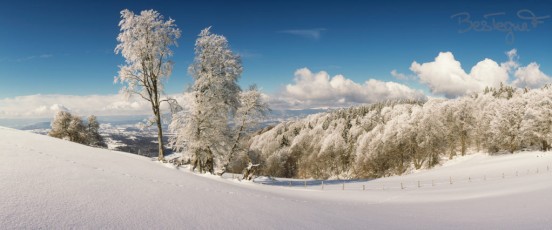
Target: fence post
{"x": 537, "y": 170}
{"x": 517, "y": 174}
{"x": 343, "y": 187}
{"x": 502, "y": 175}
{"x": 402, "y": 187}
{"x": 547, "y": 168}
{"x": 469, "y": 179}
{"x": 305, "y": 183}
{"x": 363, "y": 187}
{"x": 289, "y": 183}
{"x": 322, "y": 185}
{"x": 450, "y": 179}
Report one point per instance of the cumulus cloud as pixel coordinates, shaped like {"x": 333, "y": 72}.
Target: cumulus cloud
{"x": 45, "y": 106}
{"x": 319, "y": 90}
{"x": 445, "y": 75}
{"x": 530, "y": 76}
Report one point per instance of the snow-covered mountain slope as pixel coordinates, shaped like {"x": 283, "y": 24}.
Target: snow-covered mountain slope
{"x": 54, "y": 184}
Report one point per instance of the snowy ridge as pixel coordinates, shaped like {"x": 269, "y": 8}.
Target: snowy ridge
{"x": 55, "y": 184}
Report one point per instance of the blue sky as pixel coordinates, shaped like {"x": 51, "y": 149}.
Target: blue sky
{"x": 66, "y": 47}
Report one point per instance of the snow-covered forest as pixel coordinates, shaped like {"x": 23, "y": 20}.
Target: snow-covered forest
{"x": 391, "y": 138}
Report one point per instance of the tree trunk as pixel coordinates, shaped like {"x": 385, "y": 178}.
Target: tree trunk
{"x": 155, "y": 106}
{"x": 463, "y": 143}
{"x": 452, "y": 152}
{"x": 195, "y": 161}
{"x": 513, "y": 145}
{"x": 205, "y": 160}
{"x": 250, "y": 171}
{"x": 210, "y": 161}
{"x": 234, "y": 148}
{"x": 161, "y": 156}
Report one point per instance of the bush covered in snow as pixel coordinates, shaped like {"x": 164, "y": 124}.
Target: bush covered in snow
{"x": 69, "y": 127}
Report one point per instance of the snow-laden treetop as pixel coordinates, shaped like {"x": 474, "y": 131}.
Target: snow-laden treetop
{"x": 144, "y": 42}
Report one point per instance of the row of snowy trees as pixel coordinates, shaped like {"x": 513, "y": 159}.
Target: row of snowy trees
{"x": 69, "y": 127}
{"x": 392, "y": 137}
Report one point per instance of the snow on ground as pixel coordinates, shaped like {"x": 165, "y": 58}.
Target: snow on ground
{"x": 54, "y": 184}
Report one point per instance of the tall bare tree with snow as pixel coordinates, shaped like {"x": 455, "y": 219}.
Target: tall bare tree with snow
{"x": 144, "y": 42}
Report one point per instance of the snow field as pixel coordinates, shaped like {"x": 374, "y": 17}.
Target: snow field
{"x": 51, "y": 183}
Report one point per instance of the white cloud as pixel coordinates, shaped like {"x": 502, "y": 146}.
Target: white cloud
{"x": 445, "y": 75}
{"x": 319, "y": 90}
{"x": 306, "y": 33}
{"x": 401, "y": 76}
{"x": 530, "y": 76}
{"x": 42, "y": 106}
{"x": 512, "y": 62}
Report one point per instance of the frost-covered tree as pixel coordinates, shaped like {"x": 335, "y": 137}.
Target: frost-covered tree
{"x": 506, "y": 125}
{"x": 537, "y": 121}
{"x": 93, "y": 132}
{"x": 464, "y": 125}
{"x": 252, "y": 108}
{"x": 77, "y": 130}
{"x": 430, "y": 132}
{"x": 144, "y": 42}
{"x": 60, "y": 125}
{"x": 69, "y": 127}
{"x": 203, "y": 131}
{"x": 484, "y": 113}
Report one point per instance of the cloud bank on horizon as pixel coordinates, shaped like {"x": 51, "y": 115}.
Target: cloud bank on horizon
{"x": 444, "y": 76}
{"x": 45, "y": 106}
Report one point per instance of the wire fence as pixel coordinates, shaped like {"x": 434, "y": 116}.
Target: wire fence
{"x": 397, "y": 184}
